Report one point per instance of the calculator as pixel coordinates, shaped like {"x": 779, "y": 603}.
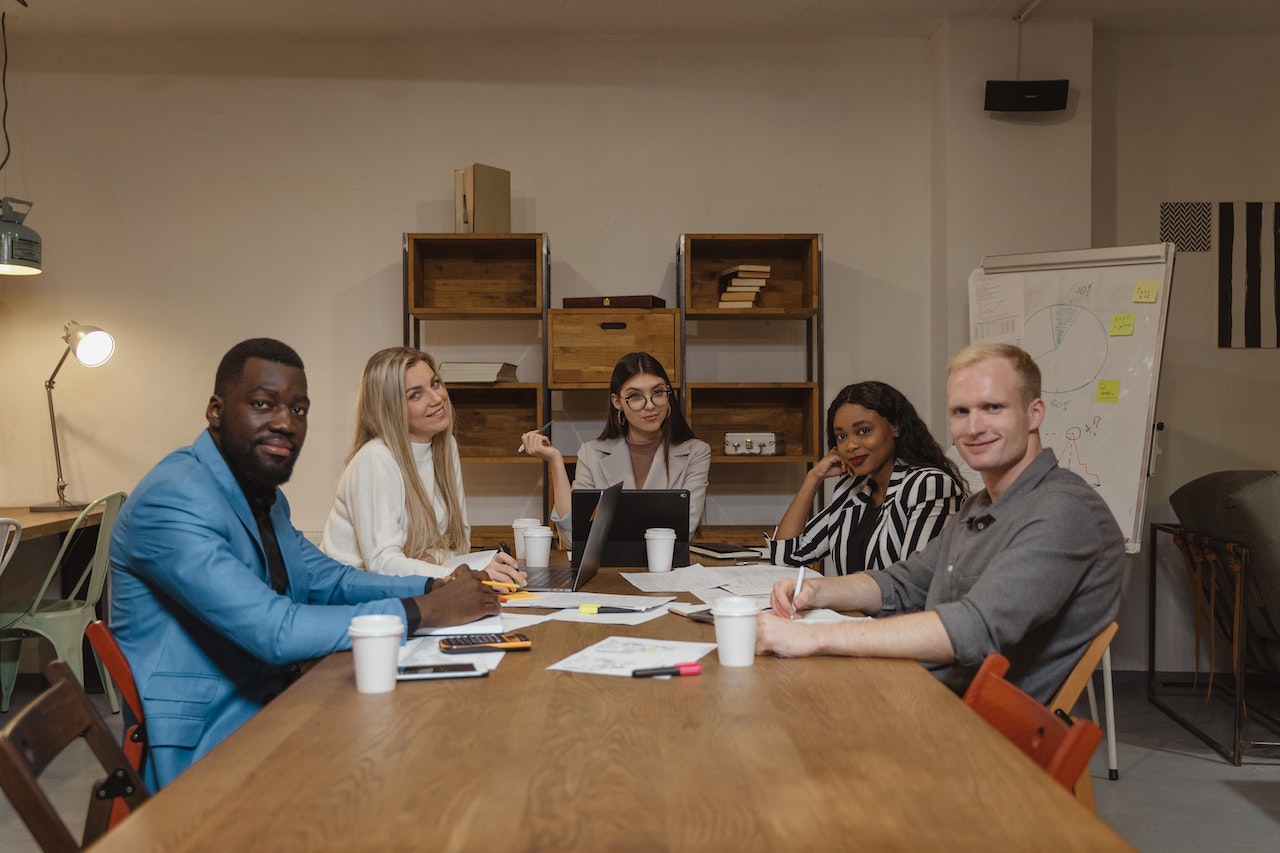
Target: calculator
{"x": 469, "y": 643}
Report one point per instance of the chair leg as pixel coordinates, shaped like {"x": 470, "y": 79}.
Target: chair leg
{"x": 1113, "y": 764}
{"x": 1093, "y": 700}
{"x": 107, "y": 686}
{"x": 10, "y": 651}
{"x": 1084, "y": 791}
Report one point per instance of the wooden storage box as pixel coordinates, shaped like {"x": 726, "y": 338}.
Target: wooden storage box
{"x": 461, "y": 274}
{"x": 491, "y": 419}
{"x": 583, "y": 346}
{"x": 782, "y": 407}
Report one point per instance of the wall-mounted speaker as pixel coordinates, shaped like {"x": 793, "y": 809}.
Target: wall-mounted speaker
{"x": 1019, "y": 96}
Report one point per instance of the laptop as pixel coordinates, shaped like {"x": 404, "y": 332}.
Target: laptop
{"x": 637, "y": 511}
{"x": 573, "y": 578}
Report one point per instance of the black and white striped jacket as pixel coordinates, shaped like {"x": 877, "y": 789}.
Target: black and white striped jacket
{"x": 917, "y": 503}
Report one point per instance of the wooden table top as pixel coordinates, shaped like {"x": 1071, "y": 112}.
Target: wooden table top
{"x": 812, "y": 754}
{"x": 37, "y": 524}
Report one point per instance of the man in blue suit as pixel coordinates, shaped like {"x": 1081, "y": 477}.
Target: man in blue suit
{"x": 216, "y": 597}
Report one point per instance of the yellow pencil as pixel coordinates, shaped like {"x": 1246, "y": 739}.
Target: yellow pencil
{"x": 501, "y": 583}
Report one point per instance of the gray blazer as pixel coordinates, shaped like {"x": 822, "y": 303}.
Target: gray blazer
{"x": 603, "y": 462}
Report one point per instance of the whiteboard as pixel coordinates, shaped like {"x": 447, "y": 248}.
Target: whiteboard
{"x": 1094, "y": 320}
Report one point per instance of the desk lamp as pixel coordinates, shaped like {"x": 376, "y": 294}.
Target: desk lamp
{"x": 91, "y": 347}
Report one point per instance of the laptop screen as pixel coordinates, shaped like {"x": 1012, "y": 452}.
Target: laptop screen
{"x": 637, "y": 511}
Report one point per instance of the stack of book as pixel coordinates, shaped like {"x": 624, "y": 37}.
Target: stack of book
{"x": 477, "y": 371}
{"x": 740, "y": 286}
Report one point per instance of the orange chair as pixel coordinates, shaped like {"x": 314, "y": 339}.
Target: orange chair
{"x": 135, "y": 739}
{"x": 37, "y": 735}
{"x": 1051, "y": 738}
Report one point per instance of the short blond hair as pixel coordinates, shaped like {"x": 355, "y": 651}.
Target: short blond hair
{"x": 1023, "y": 364}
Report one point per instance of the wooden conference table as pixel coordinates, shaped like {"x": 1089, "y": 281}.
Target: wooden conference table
{"x": 812, "y": 754}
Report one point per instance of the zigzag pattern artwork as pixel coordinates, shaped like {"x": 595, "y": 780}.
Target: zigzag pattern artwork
{"x": 1187, "y": 224}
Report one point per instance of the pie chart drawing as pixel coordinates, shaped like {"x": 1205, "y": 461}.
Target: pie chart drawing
{"x": 1070, "y": 345}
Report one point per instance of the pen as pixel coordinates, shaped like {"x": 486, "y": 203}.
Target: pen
{"x": 501, "y": 584}
{"x": 546, "y": 428}
{"x": 796, "y": 594}
{"x": 598, "y": 608}
{"x": 694, "y": 668}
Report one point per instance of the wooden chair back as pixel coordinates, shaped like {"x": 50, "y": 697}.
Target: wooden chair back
{"x": 1069, "y": 693}
{"x": 1059, "y": 744}
{"x": 37, "y": 735}
{"x": 135, "y": 738}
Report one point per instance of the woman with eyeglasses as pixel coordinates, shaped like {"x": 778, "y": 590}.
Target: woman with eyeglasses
{"x": 645, "y": 444}
{"x": 896, "y": 486}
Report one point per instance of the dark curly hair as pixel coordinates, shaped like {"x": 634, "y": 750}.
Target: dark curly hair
{"x": 914, "y": 445}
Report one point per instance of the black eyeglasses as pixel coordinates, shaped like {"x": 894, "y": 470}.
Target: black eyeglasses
{"x": 659, "y": 398}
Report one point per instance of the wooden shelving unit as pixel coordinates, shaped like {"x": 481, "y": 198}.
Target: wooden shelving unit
{"x": 485, "y": 277}
{"x": 792, "y": 406}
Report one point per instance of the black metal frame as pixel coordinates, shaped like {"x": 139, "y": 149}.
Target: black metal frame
{"x": 1235, "y": 687}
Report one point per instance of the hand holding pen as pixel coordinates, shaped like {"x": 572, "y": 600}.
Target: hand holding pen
{"x": 505, "y": 570}
{"x": 535, "y": 440}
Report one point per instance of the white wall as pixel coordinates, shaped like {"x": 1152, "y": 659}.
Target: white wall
{"x": 1189, "y": 119}
{"x": 191, "y": 195}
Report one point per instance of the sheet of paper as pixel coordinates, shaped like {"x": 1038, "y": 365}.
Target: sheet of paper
{"x": 696, "y": 577}
{"x": 621, "y": 655}
{"x": 520, "y": 621}
{"x": 477, "y": 560}
{"x": 575, "y": 599}
{"x": 710, "y": 595}
{"x": 823, "y": 616}
{"x": 572, "y": 615}
{"x": 487, "y": 625}
{"x": 425, "y": 651}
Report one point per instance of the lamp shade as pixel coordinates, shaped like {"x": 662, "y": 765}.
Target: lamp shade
{"x": 19, "y": 245}
{"x": 90, "y": 345}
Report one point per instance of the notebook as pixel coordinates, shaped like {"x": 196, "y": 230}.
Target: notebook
{"x": 573, "y": 579}
{"x": 637, "y": 511}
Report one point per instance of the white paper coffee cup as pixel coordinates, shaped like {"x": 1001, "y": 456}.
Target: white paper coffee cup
{"x": 517, "y": 533}
{"x": 375, "y": 645}
{"x": 537, "y": 547}
{"x": 735, "y": 619}
{"x": 659, "y": 545}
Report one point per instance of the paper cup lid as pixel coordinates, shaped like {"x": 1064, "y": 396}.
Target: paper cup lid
{"x": 660, "y": 533}
{"x": 734, "y": 605}
{"x": 375, "y": 625}
{"x": 535, "y": 532}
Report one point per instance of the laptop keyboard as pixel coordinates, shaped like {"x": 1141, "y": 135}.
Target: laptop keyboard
{"x": 556, "y": 579}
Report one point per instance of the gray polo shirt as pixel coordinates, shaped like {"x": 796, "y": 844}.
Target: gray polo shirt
{"x": 1034, "y": 576}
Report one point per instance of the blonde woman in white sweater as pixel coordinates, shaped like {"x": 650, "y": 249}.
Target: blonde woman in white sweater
{"x": 400, "y": 507}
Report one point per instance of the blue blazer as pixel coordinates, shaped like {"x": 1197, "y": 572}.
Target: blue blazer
{"x": 192, "y": 605}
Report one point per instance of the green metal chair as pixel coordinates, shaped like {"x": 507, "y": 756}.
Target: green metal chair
{"x": 62, "y": 620}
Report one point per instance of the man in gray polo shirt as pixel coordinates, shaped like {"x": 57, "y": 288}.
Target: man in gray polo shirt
{"x": 1030, "y": 567}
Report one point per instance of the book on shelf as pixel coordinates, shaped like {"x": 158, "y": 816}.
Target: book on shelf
{"x": 477, "y": 371}
{"x": 748, "y": 296}
{"x": 747, "y": 271}
{"x": 644, "y": 301}
{"x": 743, "y": 283}
{"x": 724, "y": 551}
{"x": 729, "y": 303}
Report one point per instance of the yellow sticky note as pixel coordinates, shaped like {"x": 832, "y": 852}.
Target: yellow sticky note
{"x": 518, "y": 596}
{"x": 1146, "y": 290}
{"x": 1122, "y": 324}
{"x": 1108, "y": 391}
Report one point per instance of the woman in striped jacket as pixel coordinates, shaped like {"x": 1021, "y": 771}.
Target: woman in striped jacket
{"x": 896, "y": 487}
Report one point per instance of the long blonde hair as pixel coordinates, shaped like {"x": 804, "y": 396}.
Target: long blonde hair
{"x": 381, "y": 412}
